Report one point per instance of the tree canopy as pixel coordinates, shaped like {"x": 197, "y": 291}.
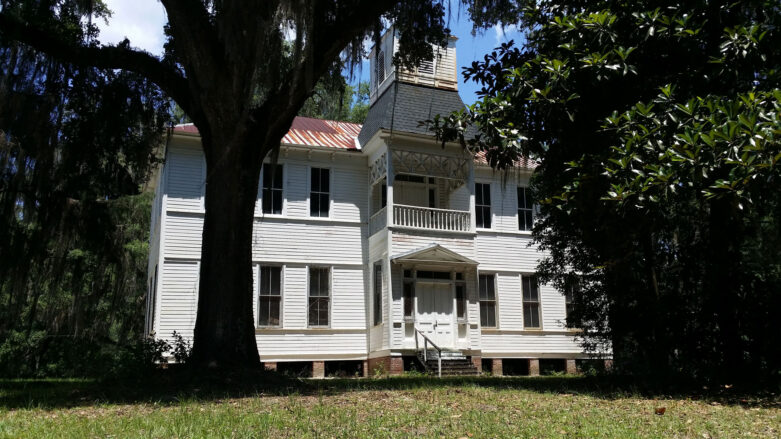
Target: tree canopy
{"x": 655, "y": 126}
{"x": 76, "y": 145}
{"x": 241, "y": 71}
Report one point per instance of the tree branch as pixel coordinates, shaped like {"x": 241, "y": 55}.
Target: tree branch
{"x": 281, "y": 106}
{"x": 55, "y": 44}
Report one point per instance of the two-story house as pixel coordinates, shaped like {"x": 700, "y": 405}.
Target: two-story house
{"x": 372, "y": 242}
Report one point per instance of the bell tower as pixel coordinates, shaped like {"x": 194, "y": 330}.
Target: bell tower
{"x": 438, "y": 72}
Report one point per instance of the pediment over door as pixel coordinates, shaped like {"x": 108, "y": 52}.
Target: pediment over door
{"x": 432, "y": 254}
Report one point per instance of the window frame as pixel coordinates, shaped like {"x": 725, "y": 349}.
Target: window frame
{"x": 377, "y": 317}
{"x": 312, "y": 192}
{"x": 272, "y": 189}
{"x": 483, "y": 207}
{"x": 259, "y": 293}
{"x": 524, "y": 209}
{"x": 482, "y": 301}
{"x": 309, "y": 297}
{"x": 524, "y": 302}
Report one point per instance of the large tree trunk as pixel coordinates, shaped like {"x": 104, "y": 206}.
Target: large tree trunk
{"x": 224, "y": 327}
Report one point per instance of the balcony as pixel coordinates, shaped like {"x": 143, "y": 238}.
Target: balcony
{"x": 422, "y": 218}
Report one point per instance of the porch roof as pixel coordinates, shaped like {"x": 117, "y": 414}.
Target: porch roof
{"x": 432, "y": 254}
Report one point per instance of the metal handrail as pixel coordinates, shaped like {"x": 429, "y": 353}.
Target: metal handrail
{"x": 426, "y": 341}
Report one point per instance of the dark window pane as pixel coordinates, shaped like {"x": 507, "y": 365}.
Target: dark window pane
{"x": 314, "y": 206}
{"x": 324, "y": 205}
{"x": 325, "y": 182}
{"x": 277, "y": 208}
{"x": 377, "y": 294}
{"x": 488, "y": 314}
{"x": 318, "y": 311}
{"x": 409, "y": 299}
{"x": 531, "y": 315}
{"x": 487, "y": 194}
{"x": 460, "y": 302}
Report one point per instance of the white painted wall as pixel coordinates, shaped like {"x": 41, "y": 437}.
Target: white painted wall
{"x": 296, "y": 241}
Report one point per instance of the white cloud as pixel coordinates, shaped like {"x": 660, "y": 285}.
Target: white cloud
{"x": 140, "y": 21}
{"x": 506, "y": 33}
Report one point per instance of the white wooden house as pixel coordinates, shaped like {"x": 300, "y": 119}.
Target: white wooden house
{"x": 371, "y": 241}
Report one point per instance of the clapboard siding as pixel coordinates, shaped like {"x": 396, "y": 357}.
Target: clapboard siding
{"x": 554, "y": 312}
{"x": 184, "y": 177}
{"x": 307, "y": 242}
{"x": 459, "y": 199}
{"x": 178, "y": 299}
{"x": 274, "y": 345}
{"x": 183, "y": 235}
{"x": 348, "y": 299}
{"x": 509, "y": 303}
{"x": 405, "y": 242}
{"x": 294, "y": 297}
{"x": 499, "y": 252}
{"x": 514, "y": 344}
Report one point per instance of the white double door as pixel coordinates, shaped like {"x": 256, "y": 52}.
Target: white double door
{"x": 435, "y": 312}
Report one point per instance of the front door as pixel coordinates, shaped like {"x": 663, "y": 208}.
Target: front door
{"x": 435, "y": 312}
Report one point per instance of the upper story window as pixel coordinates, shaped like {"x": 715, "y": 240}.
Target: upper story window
{"x": 270, "y": 296}
{"x": 531, "y": 302}
{"x": 272, "y": 189}
{"x": 320, "y": 189}
{"x": 487, "y": 293}
{"x": 377, "y": 299}
{"x": 483, "y": 205}
{"x": 319, "y": 296}
{"x": 525, "y": 209}
{"x": 380, "y": 67}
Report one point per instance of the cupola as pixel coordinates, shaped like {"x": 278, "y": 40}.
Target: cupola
{"x": 438, "y": 72}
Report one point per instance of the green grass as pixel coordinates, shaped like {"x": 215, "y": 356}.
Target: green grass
{"x": 267, "y": 406}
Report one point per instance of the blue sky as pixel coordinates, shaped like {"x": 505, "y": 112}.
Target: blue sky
{"x": 141, "y": 21}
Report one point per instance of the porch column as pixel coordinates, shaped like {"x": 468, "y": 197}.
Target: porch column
{"x": 470, "y": 182}
{"x": 389, "y": 179}
{"x": 534, "y": 367}
{"x": 318, "y": 369}
{"x": 496, "y": 367}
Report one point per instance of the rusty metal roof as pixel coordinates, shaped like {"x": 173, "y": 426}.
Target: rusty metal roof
{"x": 523, "y": 162}
{"x": 308, "y": 131}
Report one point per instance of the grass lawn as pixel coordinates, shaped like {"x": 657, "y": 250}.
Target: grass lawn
{"x": 397, "y": 407}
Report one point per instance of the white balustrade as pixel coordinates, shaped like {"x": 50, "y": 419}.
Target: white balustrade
{"x": 430, "y": 218}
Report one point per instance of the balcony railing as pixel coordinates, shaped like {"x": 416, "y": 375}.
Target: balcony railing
{"x": 378, "y": 221}
{"x": 431, "y": 219}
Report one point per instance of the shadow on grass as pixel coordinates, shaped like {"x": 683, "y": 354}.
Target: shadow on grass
{"x": 173, "y": 387}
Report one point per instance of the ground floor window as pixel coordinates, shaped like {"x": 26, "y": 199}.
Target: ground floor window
{"x": 531, "y": 302}
{"x": 319, "y": 296}
{"x": 487, "y": 293}
{"x": 270, "y": 296}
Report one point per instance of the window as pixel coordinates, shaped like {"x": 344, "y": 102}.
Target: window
{"x": 380, "y": 66}
{"x": 525, "y": 209}
{"x": 270, "y": 296}
{"x": 319, "y": 198}
{"x": 272, "y": 189}
{"x": 460, "y": 301}
{"x": 409, "y": 299}
{"x": 571, "y": 288}
{"x": 487, "y": 292}
{"x": 483, "y": 205}
{"x": 531, "y": 302}
{"x": 319, "y": 296}
{"x": 377, "y": 293}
